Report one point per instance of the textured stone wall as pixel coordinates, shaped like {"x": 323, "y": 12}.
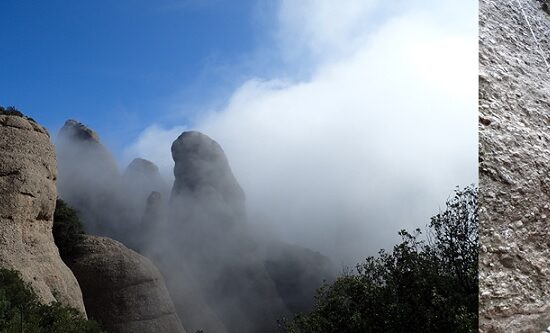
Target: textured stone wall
{"x": 514, "y": 152}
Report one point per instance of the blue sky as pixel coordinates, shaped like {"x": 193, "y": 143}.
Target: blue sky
{"x": 119, "y": 65}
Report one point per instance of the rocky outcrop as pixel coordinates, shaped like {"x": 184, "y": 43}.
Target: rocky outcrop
{"x": 89, "y": 180}
{"x": 27, "y": 203}
{"x": 143, "y": 177}
{"x": 207, "y": 208}
{"x": 203, "y": 172}
{"x": 122, "y": 289}
{"x": 514, "y": 104}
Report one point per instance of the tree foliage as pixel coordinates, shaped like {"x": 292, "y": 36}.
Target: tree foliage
{"x": 67, "y": 229}
{"x": 423, "y": 285}
{"x": 20, "y": 310}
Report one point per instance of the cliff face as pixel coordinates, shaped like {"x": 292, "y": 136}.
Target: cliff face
{"x": 27, "y": 202}
{"x": 514, "y": 135}
{"x": 122, "y": 289}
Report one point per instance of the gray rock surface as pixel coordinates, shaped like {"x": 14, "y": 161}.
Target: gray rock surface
{"x": 27, "y": 203}
{"x": 514, "y": 170}
{"x": 122, "y": 289}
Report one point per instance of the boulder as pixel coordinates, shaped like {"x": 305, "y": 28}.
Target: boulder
{"x": 123, "y": 290}
{"x": 27, "y": 203}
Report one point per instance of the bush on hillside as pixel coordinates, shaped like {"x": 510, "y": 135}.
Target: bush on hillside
{"x": 20, "y": 310}
{"x": 421, "y": 286}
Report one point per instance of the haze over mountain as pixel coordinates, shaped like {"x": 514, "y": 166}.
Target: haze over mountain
{"x": 199, "y": 235}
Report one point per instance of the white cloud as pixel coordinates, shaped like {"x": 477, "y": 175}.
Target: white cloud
{"x": 372, "y": 142}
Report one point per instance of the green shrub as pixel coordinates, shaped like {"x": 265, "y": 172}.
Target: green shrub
{"x": 67, "y": 229}
{"x": 21, "y": 311}
{"x": 421, "y": 286}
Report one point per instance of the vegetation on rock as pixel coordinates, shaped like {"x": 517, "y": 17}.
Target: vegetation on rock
{"x": 67, "y": 229}
{"x": 421, "y": 286}
{"x": 12, "y": 111}
{"x": 20, "y": 310}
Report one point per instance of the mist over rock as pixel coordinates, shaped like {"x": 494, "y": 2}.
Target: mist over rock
{"x": 109, "y": 202}
{"x": 78, "y": 141}
{"x": 207, "y": 204}
{"x": 297, "y": 273}
{"x": 27, "y": 203}
{"x": 122, "y": 289}
{"x": 89, "y": 179}
{"x": 514, "y": 95}
{"x": 143, "y": 176}
{"x": 202, "y": 171}
{"x": 219, "y": 272}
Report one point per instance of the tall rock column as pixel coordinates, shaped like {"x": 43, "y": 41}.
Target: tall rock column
{"x": 27, "y": 203}
{"x": 208, "y": 219}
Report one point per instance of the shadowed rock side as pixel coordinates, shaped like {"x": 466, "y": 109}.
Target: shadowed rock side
{"x": 27, "y": 203}
{"x": 122, "y": 289}
{"x": 157, "y": 246}
{"x": 207, "y": 207}
{"x": 514, "y": 170}
{"x": 297, "y": 273}
{"x": 202, "y": 172}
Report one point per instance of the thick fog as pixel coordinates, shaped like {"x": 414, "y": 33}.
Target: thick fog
{"x": 367, "y": 130}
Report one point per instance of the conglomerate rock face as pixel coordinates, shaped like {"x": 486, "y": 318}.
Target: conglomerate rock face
{"x": 122, "y": 289}
{"x": 514, "y": 170}
{"x": 27, "y": 203}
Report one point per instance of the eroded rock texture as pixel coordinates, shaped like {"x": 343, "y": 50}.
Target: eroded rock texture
{"x": 27, "y": 203}
{"x": 122, "y": 289}
{"x": 514, "y": 91}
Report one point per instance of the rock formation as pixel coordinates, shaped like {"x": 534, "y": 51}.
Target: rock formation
{"x": 122, "y": 289}
{"x": 89, "y": 180}
{"x": 514, "y": 104}
{"x": 207, "y": 207}
{"x": 202, "y": 172}
{"x": 297, "y": 273}
{"x": 27, "y": 202}
{"x": 143, "y": 177}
